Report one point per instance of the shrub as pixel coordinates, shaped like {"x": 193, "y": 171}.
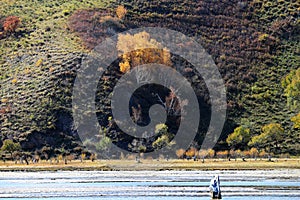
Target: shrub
{"x": 191, "y": 152}
{"x": 253, "y": 152}
{"x": 180, "y": 153}
{"x": 296, "y": 120}
{"x": 211, "y": 153}
{"x": 121, "y": 12}
{"x": 10, "y": 24}
{"x": 133, "y": 55}
{"x": 262, "y": 154}
{"x": 10, "y": 146}
{"x": 202, "y": 153}
{"x": 247, "y": 154}
{"x": 222, "y": 154}
{"x": 239, "y": 153}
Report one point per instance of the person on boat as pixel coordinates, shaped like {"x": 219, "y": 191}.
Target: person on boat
{"x": 214, "y": 188}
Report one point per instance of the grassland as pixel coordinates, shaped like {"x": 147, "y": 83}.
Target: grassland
{"x": 128, "y": 165}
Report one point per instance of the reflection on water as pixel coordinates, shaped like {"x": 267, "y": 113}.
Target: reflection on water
{"x": 164, "y": 185}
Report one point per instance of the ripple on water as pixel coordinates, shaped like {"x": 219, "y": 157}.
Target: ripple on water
{"x": 164, "y": 185}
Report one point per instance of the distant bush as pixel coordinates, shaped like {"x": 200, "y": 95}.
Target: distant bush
{"x": 10, "y": 146}
{"x": 211, "y": 153}
{"x": 10, "y": 24}
{"x": 191, "y": 152}
{"x": 296, "y": 120}
{"x": 222, "y": 154}
{"x": 121, "y": 12}
{"x": 180, "y": 153}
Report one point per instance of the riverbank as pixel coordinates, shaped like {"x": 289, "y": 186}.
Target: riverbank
{"x": 155, "y": 165}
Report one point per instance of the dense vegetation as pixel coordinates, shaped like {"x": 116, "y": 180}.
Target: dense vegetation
{"x": 255, "y": 45}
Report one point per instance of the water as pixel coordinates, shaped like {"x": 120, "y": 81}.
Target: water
{"x": 149, "y": 185}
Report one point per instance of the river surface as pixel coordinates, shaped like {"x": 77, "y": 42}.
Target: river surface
{"x": 149, "y": 185}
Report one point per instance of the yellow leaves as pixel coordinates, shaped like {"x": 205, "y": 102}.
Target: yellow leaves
{"x": 239, "y": 135}
{"x": 272, "y": 128}
{"x": 66, "y": 12}
{"x": 211, "y": 153}
{"x": 272, "y": 132}
{"x": 180, "y": 153}
{"x": 121, "y": 12}
{"x": 291, "y": 85}
{"x": 14, "y": 81}
{"x": 166, "y": 56}
{"x": 191, "y": 152}
{"x": 254, "y": 152}
{"x": 296, "y": 120}
{"x": 161, "y": 128}
{"x": 39, "y": 62}
{"x": 51, "y": 69}
{"x": 128, "y": 43}
{"x": 124, "y": 66}
{"x": 4, "y": 100}
{"x": 139, "y": 49}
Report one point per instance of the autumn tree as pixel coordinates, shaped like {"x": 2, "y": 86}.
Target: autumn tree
{"x": 254, "y": 152}
{"x": 270, "y": 137}
{"x": 296, "y": 120}
{"x": 192, "y": 152}
{"x": 10, "y": 146}
{"x": 180, "y": 153}
{"x": 291, "y": 85}
{"x": 239, "y": 137}
{"x": 140, "y": 49}
{"x": 121, "y": 12}
{"x": 211, "y": 153}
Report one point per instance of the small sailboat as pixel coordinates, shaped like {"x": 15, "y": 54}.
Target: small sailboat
{"x": 214, "y": 188}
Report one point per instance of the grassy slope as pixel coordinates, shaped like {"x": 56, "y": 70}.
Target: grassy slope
{"x": 44, "y": 62}
{"x": 43, "y": 57}
{"x": 265, "y": 100}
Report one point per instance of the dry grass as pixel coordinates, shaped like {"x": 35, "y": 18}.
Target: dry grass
{"x": 217, "y": 164}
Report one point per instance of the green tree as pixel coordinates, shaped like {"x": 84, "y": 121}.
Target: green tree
{"x": 10, "y": 146}
{"x": 271, "y": 136}
{"x": 239, "y": 137}
{"x": 296, "y": 120}
{"x": 165, "y": 139}
{"x": 104, "y": 144}
{"x": 291, "y": 85}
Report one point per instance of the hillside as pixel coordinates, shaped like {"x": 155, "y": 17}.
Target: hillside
{"x": 255, "y": 44}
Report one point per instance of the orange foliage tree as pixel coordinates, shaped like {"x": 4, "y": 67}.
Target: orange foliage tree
{"x": 211, "y": 153}
{"x": 180, "y": 153}
{"x": 191, "y": 152}
{"x": 121, "y": 12}
{"x": 222, "y": 154}
{"x": 140, "y": 49}
{"x": 254, "y": 152}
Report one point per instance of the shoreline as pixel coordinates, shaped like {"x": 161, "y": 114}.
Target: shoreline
{"x": 154, "y": 165}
